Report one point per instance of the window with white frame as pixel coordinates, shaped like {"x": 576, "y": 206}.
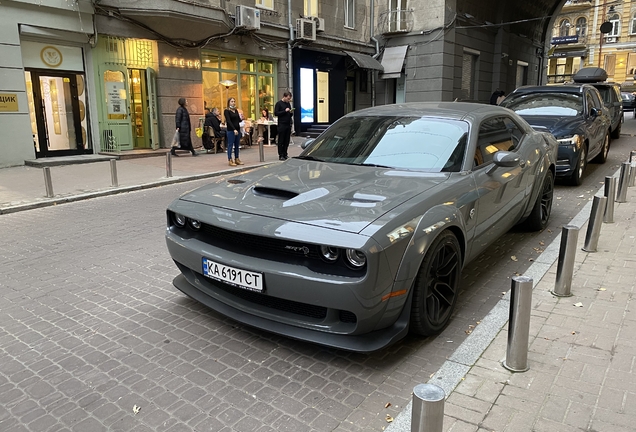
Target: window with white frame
{"x": 632, "y": 29}
{"x": 564, "y": 28}
{"x": 398, "y": 15}
{"x": 615, "y": 19}
{"x": 269, "y": 4}
{"x": 581, "y": 27}
{"x": 311, "y": 8}
{"x": 349, "y": 7}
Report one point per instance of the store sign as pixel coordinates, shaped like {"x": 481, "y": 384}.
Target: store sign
{"x": 181, "y": 62}
{"x": 8, "y": 102}
{"x": 561, "y": 54}
{"x": 48, "y": 56}
{"x": 564, "y": 40}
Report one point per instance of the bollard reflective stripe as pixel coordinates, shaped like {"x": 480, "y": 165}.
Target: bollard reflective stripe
{"x": 48, "y": 183}
{"x": 113, "y": 173}
{"x": 428, "y": 408}
{"x": 519, "y": 324}
{"x": 168, "y": 165}
{"x": 594, "y": 224}
{"x": 622, "y": 182}
{"x": 610, "y": 194}
{"x": 565, "y": 264}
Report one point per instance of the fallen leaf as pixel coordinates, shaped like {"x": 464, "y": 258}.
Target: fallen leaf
{"x": 478, "y": 322}
{"x": 558, "y": 197}
{"x": 541, "y": 243}
{"x": 549, "y": 230}
{"x": 602, "y": 289}
{"x": 531, "y": 259}
{"x": 581, "y": 196}
{"x": 389, "y": 419}
{"x": 136, "y": 409}
{"x": 573, "y": 332}
{"x": 579, "y": 304}
{"x": 388, "y": 404}
{"x": 514, "y": 258}
{"x": 468, "y": 332}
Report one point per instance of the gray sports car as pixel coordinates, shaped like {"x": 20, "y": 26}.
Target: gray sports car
{"x": 363, "y": 236}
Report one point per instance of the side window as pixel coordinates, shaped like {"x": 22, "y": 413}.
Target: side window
{"x": 494, "y": 135}
{"x": 593, "y": 101}
{"x": 515, "y": 133}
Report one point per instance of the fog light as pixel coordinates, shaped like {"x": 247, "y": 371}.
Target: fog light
{"x": 179, "y": 220}
{"x": 195, "y": 224}
{"x": 329, "y": 253}
{"x": 355, "y": 258}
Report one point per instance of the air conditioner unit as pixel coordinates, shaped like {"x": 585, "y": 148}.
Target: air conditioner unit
{"x": 610, "y": 39}
{"x": 306, "y": 29}
{"x": 248, "y": 18}
{"x": 320, "y": 23}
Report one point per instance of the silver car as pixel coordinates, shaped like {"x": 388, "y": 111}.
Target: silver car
{"x": 363, "y": 236}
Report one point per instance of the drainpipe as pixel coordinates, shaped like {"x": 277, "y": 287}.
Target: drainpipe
{"x": 377, "y": 50}
{"x": 290, "y": 69}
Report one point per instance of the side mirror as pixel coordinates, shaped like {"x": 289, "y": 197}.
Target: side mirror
{"x": 594, "y": 112}
{"x": 307, "y": 143}
{"x": 504, "y": 159}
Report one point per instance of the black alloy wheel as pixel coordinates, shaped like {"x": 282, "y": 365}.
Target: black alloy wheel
{"x": 540, "y": 215}
{"x": 436, "y": 286}
{"x": 602, "y": 156}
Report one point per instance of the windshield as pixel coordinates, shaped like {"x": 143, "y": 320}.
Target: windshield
{"x": 427, "y": 144}
{"x": 545, "y": 104}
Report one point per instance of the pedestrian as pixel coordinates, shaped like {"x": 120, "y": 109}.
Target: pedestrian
{"x": 182, "y": 120}
{"x": 501, "y": 97}
{"x": 233, "y": 137}
{"x": 284, "y": 111}
{"x": 206, "y": 139}
{"x": 493, "y": 97}
{"x": 213, "y": 124}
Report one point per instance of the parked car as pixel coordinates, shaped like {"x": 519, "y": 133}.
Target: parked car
{"x": 610, "y": 95}
{"x": 363, "y": 236}
{"x": 575, "y": 115}
{"x": 629, "y": 101}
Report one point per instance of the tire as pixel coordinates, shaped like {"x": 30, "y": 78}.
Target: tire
{"x": 436, "y": 286}
{"x": 616, "y": 133}
{"x": 577, "y": 176}
{"x": 602, "y": 156}
{"x": 540, "y": 215}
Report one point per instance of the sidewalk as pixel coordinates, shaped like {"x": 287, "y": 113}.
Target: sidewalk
{"x": 23, "y": 188}
{"x": 582, "y": 349}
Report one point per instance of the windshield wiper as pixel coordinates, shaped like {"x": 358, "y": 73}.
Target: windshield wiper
{"x": 309, "y": 158}
{"x": 371, "y": 165}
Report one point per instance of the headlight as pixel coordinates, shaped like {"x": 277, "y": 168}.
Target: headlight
{"x": 329, "y": 253}
{"x": 355, "y": 258}
{"x": 179, "y": 220}
{"x": 195, "y": 224}
{"x": 574, "y": 140}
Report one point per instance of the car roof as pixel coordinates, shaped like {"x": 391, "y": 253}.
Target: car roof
{"x": 562, "y": 88}
{"x": 453, "y": 110}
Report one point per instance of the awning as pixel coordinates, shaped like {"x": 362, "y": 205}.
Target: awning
{"x": 392, "y": 61}
{"x": 365, "y": 61}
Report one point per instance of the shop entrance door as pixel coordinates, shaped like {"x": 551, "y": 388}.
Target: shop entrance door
{"x": 139, "y": 108}
{"x": 57, "y": 105}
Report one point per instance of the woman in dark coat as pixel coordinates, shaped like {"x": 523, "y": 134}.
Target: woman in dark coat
{"x": 182, "y": 120}
{"x": 233, "y": 138}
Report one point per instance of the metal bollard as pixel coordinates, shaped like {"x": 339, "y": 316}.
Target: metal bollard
{"x": 621, "y": 196}
{"x": 565, "y": 264}
{"x": 632, "y": 154}
{"x": 610, "y": 194}
{"x": 594, "y": 224}
{"x": 48, "y": 183}
{"x": 168, "y": 165}
{"x": 519, "y": 324}
{"x": 113, "y": 173}
{"x": 428, "y": 408}
{"x": 632, "y": 174}
{"x": 261, "y": 154}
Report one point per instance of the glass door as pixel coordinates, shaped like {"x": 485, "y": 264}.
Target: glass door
{"x": 57, "y": 105}
{"x": 139, "y": 108}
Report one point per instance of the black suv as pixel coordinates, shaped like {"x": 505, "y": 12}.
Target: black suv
{"x": 610, "y": 93}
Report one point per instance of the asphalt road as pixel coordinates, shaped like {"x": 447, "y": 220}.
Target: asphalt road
{"x": 92, "y": 329}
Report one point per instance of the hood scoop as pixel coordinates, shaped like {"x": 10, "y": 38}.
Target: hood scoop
{"x": 274, "y": 193}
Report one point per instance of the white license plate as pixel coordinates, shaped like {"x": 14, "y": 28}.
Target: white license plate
{"x": 233, "y": 276}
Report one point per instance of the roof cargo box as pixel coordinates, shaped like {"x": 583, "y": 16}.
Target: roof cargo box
{"x": 590, "y": 75}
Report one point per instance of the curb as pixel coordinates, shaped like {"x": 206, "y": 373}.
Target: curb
{"x": 451, "y": 373}
{"x": 107, "y": 192}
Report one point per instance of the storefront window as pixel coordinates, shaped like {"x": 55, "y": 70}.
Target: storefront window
{"x": 249, "y": 80}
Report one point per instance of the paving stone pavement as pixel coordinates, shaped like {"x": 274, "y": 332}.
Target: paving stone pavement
{"x": 582, "y": 351}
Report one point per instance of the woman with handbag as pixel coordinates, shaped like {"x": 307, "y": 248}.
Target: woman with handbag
{"x": 182, "y": 120}
{"x": 233, "y": 138}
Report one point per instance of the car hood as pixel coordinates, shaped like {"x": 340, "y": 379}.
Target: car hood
{"x": 558, "y": 126}
{"x": 336, "y": 196}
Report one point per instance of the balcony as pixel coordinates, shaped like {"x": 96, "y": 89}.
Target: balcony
{"x": 395, "y": 21}
{"x": 576, "y": 5}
